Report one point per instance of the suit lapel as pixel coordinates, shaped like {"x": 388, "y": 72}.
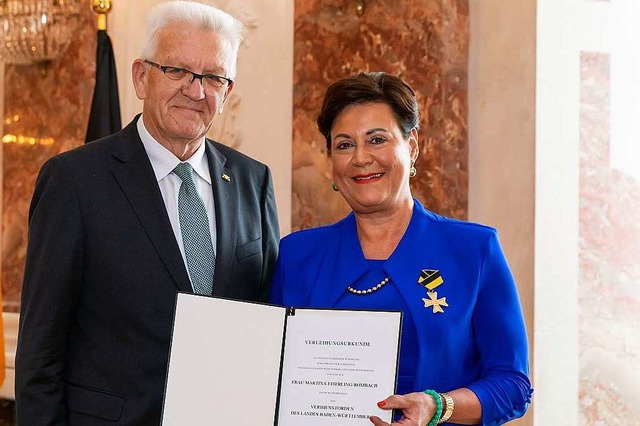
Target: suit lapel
{"x": 225, "y": 194}
{"x": 136, "y": 178}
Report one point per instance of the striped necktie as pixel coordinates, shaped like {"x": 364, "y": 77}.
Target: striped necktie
{"x": 196, "y": 235}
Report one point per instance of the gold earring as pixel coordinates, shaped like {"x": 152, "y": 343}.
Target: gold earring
{"x": 334, "y": 186}
{"x": 413, "y": 171}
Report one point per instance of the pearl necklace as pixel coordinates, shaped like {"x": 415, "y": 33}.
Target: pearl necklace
{"x": 369, "y": 290}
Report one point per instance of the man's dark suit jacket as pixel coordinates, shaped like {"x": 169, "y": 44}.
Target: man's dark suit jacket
{"x": 103, "y": 270}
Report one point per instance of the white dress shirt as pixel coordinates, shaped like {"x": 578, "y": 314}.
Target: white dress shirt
{"x": 163, "y": 162}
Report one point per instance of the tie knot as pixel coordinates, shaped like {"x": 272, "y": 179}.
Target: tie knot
{"x": 184, "y": 172}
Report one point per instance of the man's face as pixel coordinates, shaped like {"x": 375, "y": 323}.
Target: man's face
{"x": 176, "y": 113}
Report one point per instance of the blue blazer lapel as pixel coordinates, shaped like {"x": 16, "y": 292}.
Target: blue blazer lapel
{"x": 415, "y": 252}
{"x": 409, "y": 258}
{"x": 135, "y": 176}
{"x": 344, "y": 264}
{"x": 225, "y": 194}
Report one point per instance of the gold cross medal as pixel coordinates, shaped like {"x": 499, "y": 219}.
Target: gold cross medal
{"x": 431, "y": 278}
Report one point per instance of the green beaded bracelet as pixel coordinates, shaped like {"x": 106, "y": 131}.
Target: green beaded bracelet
{"x": 438, "y": 413}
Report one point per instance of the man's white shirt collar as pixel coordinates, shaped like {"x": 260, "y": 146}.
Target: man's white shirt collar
{"x": 164, "y": 161}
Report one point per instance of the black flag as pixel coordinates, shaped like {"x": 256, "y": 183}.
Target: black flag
{"x": 105, "y": 107}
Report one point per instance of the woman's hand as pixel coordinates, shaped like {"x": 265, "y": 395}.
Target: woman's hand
{"x": 417, "y": 408}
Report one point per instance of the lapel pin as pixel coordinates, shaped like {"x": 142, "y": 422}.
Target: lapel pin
{"x": 226, "y": 177}
{"x": 430, "y": 278}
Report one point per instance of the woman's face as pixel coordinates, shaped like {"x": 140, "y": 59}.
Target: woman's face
{"x": 371, "y": 159}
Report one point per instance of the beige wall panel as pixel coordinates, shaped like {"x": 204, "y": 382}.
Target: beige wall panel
{"x": 502, "y": 136}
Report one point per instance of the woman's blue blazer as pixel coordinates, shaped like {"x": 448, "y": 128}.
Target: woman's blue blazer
{"x": 479, "y": 342}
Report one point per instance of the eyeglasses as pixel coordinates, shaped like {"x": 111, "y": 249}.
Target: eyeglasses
{"x": 184, "y": 77}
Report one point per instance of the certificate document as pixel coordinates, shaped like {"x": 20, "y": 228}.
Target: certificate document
{"x": 337, "y": 365}
{"x": 243, "y": 363}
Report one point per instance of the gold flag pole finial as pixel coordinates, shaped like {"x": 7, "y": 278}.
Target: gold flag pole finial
{"x": 101, "y": 7}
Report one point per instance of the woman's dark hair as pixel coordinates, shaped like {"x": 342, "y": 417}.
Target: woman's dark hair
{"x": 365, "y": 88}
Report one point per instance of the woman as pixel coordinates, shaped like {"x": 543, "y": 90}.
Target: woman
{"x": 463, "y": 357}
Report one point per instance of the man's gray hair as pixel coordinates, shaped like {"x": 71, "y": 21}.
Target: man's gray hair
{"x": 196, "y": 14}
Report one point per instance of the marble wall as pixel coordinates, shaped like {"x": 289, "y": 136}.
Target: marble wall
{"x": 424, "y": 42}
{"x": 427, "y": 44}
{"x": 609, "y": 262}
{"x": 41, "y": 102}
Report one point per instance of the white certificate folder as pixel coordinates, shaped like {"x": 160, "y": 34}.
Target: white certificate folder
{"x": 255, "y": 364}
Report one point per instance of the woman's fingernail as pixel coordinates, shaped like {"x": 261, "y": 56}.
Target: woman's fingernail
{"x": 382, "y": 404}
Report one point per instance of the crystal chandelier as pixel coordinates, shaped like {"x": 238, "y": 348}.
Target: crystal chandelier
{"x": 36, "y": 31}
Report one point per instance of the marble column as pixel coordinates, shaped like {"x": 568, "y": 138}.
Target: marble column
{"x": 424, "y": 42}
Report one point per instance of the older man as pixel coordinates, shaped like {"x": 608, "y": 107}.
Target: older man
{"x": 119, "y": 226}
